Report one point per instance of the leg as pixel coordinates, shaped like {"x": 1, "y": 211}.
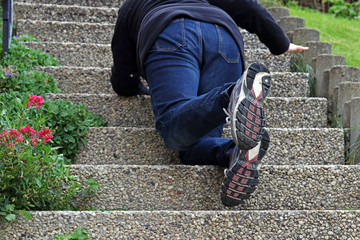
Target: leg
{"x": 189, "y": 81}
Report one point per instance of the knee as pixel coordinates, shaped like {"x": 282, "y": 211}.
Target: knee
{"x": 174, "y": 140}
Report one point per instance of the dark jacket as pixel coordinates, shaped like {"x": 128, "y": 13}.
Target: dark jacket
{"x": 141, "y": 21}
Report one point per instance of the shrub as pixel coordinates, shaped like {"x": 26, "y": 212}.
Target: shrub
{"x": 32, "y": 175}
{"x": 69, "y": 122}
{"x": 27, "y": 81}
{"x": 23, "y": 57}
{"x": 341, "y": 8}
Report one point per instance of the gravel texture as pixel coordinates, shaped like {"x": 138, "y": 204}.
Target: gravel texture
{"x": 101, "y": 32}
{"x": 65, "y": 13}
{"x": 76, "y": 55}
{"x": 175, "y": 187}
{"x": 143, "y": 146}
{"x": 257, "y": 225}
{"x": 99, "y": 55}
{"x": 96, "y": 3}
{"x": 97, "y": 80}
{"x": 136, "y": 111}
{"x": 88, "y": 80}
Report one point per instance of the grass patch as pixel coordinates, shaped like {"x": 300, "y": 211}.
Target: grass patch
{"x": 342, "y": 33}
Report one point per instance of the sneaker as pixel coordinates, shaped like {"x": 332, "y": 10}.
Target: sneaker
{"x": 245, "y": 111}
{"x": 242, "y": 176}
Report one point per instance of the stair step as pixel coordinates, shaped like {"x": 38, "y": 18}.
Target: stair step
{"x": 135, "y": 187}
{"x": 143, "y": 146}
{"x": 99, "y": 55}
{"x": 97, "y": 80}
{"x": 337, "y": 224}
{"x": 99, "y": 33}
{"x": 65, "y": 13}
{"x": 137, "y": 112}
{"x": 92, "y": 3}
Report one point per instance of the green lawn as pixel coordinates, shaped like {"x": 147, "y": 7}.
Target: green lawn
{"x": 343, "y": 34}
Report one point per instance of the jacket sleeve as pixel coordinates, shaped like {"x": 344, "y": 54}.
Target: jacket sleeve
{"x": 252, "y": 16}
{"x": 125, "y": 78}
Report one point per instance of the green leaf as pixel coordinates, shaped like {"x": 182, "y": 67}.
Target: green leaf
{"x": 38, "y": 182}
{"x": 71, "y": 139}
{"x": 9, "y": 207}
{"x": 10, "y": 217}
{"x": 26, "y": 214}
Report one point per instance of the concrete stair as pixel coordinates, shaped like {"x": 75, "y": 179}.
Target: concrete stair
{"x": 143, "y": 146}
{"x": 136, "y": 111}
{"x": 304, "y": 191}
{"x": 135, "y": 187}
{"x": 99, "y": 55}
{"x": 94, "y": 80}
{"x": 69, "y": 31}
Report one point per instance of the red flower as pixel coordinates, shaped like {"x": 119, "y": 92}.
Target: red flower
{"x": 36, "y": 101}
{"x": 20, "y": 139}
{"x": 4, "y": 136}
{"x": 27, "y": 130}
{"x": 14, "y": 132}
{"x": 45, "y": 135}
{"x": 33, "y": 141}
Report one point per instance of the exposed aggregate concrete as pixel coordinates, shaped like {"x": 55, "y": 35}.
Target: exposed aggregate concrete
{"x": 137, "y": 111}
{"x": 136, "y": 187}
{"x": 141, "y": 146}
{"x": 97, "y": 80}
{"x": 65, "y": 13}
{"x": 88, "y": 3}
{"x": 100, "y": 32}
{"x": 67, "y": 31}
{"x": 257, "y": 225}
{"x": 99, "y": 55}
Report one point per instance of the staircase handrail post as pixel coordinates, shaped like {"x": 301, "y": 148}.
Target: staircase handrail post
{"x": 7, "y": 24}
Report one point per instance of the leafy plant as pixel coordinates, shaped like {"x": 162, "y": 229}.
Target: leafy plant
{"x": 69, "y": 122}
{"x": 335, "y": 122}
{"x": 271, "y": 3}
{"x": 80, "y": 234}
{"x": 33, "y": 175}
{"x": 23, "y": 57}
{"x": 90, "y": 191}
{"x": 341, "y": 8}
{"x": 353, "y": 152}
{"x": 27, "y": 81}
{"x": 299, "y": 64}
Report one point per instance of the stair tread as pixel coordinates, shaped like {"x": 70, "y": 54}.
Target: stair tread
{"x": 197, "y": 187}
{"x": 190, "y": 224}
{"x": 121, "y": 145}
{"x": 87, "y": 55}
{"x": 93, "y": 3}
{"x": 96, "y": 81}
{"x": 87, "y": 32}
{"x": 293, "y": 112}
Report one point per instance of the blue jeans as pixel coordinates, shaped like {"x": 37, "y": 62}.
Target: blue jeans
{"x": 190, "y": 71}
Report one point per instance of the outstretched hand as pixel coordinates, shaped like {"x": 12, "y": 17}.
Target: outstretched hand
{"x": 296, "y": 48}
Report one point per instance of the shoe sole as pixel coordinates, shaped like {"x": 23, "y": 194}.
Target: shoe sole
{"x": 247, "y": 125}
{"x": 241, "y": 180}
